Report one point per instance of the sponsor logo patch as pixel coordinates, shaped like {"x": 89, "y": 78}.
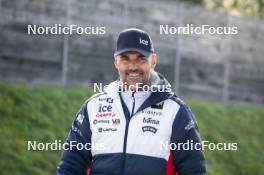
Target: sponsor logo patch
{"x": 149, "y": 129}
{"x": 105, "y": 108}
{"x": 150, "y": 121}
{"x": 141, "y": 41}
{"x": 107, "y": 130}
{"x": 151, "y": 112}
{"x": 77, "y": 130}
{"x": 107, "y": 99}
{"x": 116, "y": 121}
{"x": 108, "y": 114}
{"x": 101, "y": 121}
{"x": 80, "y": 118}
{"x": 158, "y": 105}
{"x": 105, "y": 111}
{"x": 190, "y": 125}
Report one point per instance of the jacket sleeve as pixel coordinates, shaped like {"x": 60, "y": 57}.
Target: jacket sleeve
{"x": 76, "y": 158}
{"x": 188, "y": 161}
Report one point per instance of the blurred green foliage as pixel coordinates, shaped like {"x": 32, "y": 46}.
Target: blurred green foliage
{"x": 234, "y": 7}
{"x": 41, "y": 113}
{"x": 232, "y": 123}
{"x": 44, "y": 113}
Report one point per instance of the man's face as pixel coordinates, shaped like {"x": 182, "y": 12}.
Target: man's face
{"x": 134, "y": 68}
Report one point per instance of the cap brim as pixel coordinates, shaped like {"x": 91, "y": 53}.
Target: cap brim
{"x": 143, "y": 52}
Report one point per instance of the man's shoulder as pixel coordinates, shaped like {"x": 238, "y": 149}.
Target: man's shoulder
{"x": 100, "y": 97}
{"x": 177, "y": 100}
{"x": 96, "y": 96}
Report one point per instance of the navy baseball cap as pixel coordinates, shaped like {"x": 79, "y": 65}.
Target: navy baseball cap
{"x": 134, "y": 39}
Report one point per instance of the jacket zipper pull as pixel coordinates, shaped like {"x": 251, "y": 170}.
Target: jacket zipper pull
{"x": 133, "y": 98}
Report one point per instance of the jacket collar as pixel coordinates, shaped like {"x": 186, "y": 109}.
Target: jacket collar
{"x": 158, "y": 80}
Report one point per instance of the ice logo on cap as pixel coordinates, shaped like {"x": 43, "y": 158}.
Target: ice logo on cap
{"x": 141, "y": 41}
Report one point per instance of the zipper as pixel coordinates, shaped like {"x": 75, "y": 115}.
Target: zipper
{"x": 126, "y": 132}
{"x": 133, "y": 105}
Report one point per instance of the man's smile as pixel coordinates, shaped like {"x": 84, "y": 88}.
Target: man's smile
{"x": 134, "y": 76}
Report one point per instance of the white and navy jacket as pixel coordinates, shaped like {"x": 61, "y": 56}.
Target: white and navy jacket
{"x": 128, "y": 135}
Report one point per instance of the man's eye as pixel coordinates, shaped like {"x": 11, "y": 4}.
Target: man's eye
{"x": 143, "y": 58}
{"x": 124, "y": 58}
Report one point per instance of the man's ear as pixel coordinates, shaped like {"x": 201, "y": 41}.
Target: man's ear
{"x": 115, "y": 61}
{"x": 154, "y": 60}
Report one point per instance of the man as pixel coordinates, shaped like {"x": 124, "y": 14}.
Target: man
{"x": 133, "y": 123}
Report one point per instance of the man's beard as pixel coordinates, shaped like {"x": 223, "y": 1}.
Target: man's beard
{"x": 134, "y": 80}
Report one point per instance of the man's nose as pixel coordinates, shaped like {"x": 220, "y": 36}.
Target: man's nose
{"x": 133, "y": 65}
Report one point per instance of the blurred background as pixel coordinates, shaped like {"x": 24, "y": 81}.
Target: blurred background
{"x": 44, "y": 79}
